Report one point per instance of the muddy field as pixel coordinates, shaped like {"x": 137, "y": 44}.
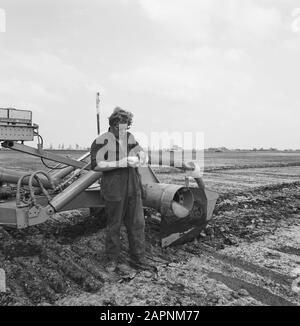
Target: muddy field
{"x": 248, "y": 255}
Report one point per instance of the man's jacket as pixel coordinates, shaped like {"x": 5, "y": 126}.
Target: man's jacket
{"x": 119, "y": 182}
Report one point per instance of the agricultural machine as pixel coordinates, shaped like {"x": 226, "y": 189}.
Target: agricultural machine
{"x": 28, "y": 199}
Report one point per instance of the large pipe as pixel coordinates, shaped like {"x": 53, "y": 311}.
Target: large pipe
{"x": 176, "y": 160}
{"x": 12, "y": 176}
{"x": 60, "y": 174}
{"x": 74, "y": 190}
{"x": 169, "y": 198}
{"x": 164, "y": 198}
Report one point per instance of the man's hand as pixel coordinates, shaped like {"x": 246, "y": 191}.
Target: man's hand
{"x": 108, "y": 166}
{"x": 196, "y": 170}
{"x": 123, "y": 163}
{"x": 133, "y": 161}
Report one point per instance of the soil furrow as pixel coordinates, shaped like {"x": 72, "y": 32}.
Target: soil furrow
{"x": 260, "y": 294}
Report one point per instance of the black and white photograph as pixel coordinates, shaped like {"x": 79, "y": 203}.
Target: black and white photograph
{"x": 149, "y": 156}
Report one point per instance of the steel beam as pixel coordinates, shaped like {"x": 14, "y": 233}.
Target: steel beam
{"x": 43, "y": 154}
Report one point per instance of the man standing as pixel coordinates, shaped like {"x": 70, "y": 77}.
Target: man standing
{"x": 117, "y": 154}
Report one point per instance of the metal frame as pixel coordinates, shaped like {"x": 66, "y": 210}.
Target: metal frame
{"x": 43, "y": 154}
{"x": 80, "y": 194}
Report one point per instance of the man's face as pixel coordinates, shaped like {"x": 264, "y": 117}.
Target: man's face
{"x": 120, "y": 129}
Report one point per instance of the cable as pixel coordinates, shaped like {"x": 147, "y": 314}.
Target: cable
{"x": 40, "y": 139}
{"x": 41, "y": 142}
{"x": 53, "y": 167}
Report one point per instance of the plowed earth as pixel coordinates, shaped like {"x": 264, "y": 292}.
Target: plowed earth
{"x": 248, "y": 255}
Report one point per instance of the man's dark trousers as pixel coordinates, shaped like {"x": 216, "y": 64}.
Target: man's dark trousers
{"x": 123, "y": 200}
{"x": 130, "y": 209}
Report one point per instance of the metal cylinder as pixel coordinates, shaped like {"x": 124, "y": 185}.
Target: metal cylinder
{"x": 74, "y": 190}
{"x": 12, "y": 176}
{"x": 167, "y": 198}
{"x": 58, "y": 175}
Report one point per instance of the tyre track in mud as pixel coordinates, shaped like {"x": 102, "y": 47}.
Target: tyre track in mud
{"x": 48, "y": 263}
{"x": 241, "y": 275}
{"x": 282, "y": 201}
{"x": 289, "y": 250}
{"x": 264, "y": 296}
{"x": 246, "y": 266}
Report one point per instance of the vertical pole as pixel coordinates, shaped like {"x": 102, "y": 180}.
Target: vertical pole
{"x": 149, "y": 156}
{"x": 160, "y": 157}
{"x": 172, "y": 158}
{"x": 194, "y": 154}
{"x": 98, "y": 112}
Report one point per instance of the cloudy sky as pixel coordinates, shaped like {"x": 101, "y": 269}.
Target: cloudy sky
{"x": 228, "y": 68}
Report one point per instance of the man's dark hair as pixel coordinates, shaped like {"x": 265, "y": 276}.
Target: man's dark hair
{"x": 120, "y": 116}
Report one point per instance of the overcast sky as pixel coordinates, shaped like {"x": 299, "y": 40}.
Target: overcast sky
{"x": 228, "y": 68}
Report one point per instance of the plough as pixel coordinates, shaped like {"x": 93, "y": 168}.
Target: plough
{"x": 28, "y": 199}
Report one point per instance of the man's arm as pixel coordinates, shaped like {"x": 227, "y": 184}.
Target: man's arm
{"x": 143, "y": 157}
{"x": 103, "y": 166}
{"x": 99, "y": 156}
{"x": 135, "y": 150}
